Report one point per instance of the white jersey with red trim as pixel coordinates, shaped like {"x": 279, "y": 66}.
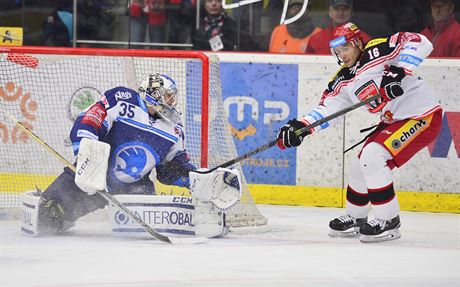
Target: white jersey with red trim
{"x": 352, "y": 85}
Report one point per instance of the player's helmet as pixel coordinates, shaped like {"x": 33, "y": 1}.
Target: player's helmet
{"x": 160, "y": 92}
{"x": 343, "y": 34}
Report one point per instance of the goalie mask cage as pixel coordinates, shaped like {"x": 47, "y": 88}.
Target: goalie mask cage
{"x": 46, "y": 88}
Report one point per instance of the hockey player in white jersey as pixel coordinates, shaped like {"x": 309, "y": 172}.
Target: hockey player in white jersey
{"x": 410, "y": 120}
{"x": 118, "y": 141}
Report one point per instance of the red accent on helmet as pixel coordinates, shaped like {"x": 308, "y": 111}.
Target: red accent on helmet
{"x": 349, "y": 30}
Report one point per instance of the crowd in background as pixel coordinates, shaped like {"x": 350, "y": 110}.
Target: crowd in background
{"x": 172, "y": 24}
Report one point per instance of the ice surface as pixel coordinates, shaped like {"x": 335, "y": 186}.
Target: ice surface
{"x": 297, "y": 252}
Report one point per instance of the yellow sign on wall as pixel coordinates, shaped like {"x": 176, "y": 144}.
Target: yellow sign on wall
{"x": 11, "y": 36}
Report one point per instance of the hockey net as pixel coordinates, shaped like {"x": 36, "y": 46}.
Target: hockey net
{"x": 46, "y": 88}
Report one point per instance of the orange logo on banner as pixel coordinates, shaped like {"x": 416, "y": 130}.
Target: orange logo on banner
{"x": 12, "y": 93}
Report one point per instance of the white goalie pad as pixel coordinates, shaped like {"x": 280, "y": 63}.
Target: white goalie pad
{"x": 222, "y": 187}
{"x": 30, "y": 207}
{"x": 92, "y": 164}
{"x": 209, "y": 221}
{"x": 169, "y": 215}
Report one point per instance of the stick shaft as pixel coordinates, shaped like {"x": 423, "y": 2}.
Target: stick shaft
{"x": 297, "y": 132}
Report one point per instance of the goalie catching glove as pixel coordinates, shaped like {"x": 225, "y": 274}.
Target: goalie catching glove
{"x": 222, "y": 187}
{"x": 92, "y": 164}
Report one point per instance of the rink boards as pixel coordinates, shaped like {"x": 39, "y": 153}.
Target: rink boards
{"x": 288, "y": 86}
{"x": 262, "y": 92}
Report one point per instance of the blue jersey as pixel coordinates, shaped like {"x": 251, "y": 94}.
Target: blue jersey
{"x": 139, "y": 142}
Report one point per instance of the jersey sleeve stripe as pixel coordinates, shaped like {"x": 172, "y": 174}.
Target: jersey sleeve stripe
{"x": 149, "y": 129}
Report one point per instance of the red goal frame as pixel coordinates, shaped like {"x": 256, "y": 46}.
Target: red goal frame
{"x": 138, "y": 53}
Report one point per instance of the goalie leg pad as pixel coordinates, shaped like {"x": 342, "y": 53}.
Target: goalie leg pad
{"x": 167, "y": 214}
{"x": 30, "y": 208}
{"x": 170, "y": 215}
{"x": 41, "y": 217}
{"x": 209, "y": 221}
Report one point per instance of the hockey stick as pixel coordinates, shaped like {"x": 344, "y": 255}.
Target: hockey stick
{"x": 297, "y": 132}
{"x": 105, "y": 194}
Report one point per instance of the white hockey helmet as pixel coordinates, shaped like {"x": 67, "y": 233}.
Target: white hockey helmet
{"x": 160, "y": 93}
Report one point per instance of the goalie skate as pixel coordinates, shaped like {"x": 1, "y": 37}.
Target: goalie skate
{"x": 346, "y": 226}
{"x": 378, "y": 230}
{"x": 42, "y": 217}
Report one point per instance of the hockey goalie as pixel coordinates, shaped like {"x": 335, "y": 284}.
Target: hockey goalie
{"x": 118, "y": 142}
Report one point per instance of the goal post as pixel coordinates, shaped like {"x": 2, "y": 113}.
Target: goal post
{"x": 46, "y": 88}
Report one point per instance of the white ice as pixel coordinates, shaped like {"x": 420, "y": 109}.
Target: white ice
{"x": 296, "y": 252}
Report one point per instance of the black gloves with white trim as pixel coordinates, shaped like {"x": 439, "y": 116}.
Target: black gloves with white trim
{"x": 287, "y": 137}
{"x": 390, "y": 87}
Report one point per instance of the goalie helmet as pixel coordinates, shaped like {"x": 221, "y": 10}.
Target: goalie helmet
{"x": 346, "y": 35}
{"x": 159, "y": 93}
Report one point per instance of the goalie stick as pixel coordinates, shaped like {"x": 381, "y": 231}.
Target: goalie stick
{"x": 105, "y": 194}
{"x": 297, "y": 132}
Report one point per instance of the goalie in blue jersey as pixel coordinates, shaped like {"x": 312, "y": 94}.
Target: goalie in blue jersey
{"x": 118, "y": 142}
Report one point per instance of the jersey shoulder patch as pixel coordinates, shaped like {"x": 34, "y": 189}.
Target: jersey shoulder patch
{"x": 343, "y": 74}
{"x": 113, "y": 96}
{"x": 375, "y": 42}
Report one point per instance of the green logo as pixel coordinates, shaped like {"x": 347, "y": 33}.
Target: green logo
{"x": 81, "y": 99}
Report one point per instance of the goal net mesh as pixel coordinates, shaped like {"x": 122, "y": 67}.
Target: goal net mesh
{"x": 47, "y": 91}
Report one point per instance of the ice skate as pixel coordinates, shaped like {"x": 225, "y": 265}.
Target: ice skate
{"x": 378, "y": 230}
{"x": 51, "y": 219}
{"x": 346, "y": 226}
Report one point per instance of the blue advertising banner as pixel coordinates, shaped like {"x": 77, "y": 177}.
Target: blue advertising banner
{"x": 259, "y": 99}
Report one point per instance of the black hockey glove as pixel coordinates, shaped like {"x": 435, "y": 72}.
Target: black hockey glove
{"x": 390, "y": 87}
{"x": 287, "y": 137}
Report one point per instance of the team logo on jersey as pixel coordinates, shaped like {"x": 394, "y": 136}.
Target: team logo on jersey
{"x": 80, "y": 100}
{"x": 366, "y": 91}
{"x": 123, "y": 95}
{"x": 134, "y": 160}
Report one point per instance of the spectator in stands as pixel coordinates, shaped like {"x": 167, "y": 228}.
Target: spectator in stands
{"x": 93, "y": 22}
{"x": 444, "y": 30}
{"x": 293, "y": 38}
{"x": 407, "y": 15}
{"x": 340, "y": 12}
{"x": 219, "y": 32}
{"x": 149, "y": 14}
{"x": 58, "y": 26}
{"x": 183, "y": 19}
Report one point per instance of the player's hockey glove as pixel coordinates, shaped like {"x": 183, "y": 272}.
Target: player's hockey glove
{"x": 287, "y": 137}
{"x": 390, "y": 87}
